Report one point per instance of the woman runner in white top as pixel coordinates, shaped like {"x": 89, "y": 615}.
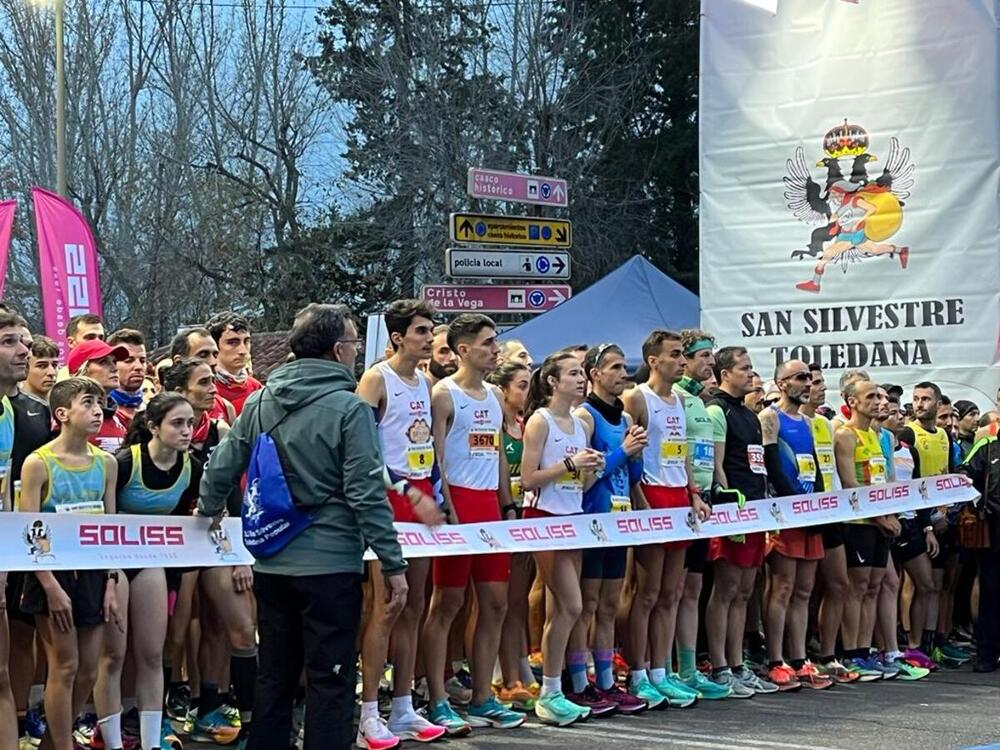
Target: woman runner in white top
{"x": 557, "y": 465}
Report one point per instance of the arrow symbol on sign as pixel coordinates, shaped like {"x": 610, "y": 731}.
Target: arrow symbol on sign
{"x": 558, "y": 193}
{"x": 466, "y": 228}
{"x": 560, "y": 235}
{"x": 558, "y": 264}
{"x": 557, "y": 297}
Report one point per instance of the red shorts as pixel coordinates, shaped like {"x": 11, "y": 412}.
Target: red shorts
{"x": 537, "y": 513}
{"x": 797, "y": 544}
{"x": 472, "y": 506}
{"x": 402, "y": 510}
{"x": 660, "y": 498}
{"x": 746, "y": 554}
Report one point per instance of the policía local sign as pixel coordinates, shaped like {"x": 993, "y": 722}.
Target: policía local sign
{"x": 523, "y": 231}
{"x": 521, "y": 299}
{"x": 464, "y": 262}
{"x": 521, "y": 188}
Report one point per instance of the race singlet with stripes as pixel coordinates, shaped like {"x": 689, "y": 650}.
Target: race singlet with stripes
{"x": 933, "y": 449}
{"x": 564, "y": 496}
{"x": 472, "y": 446}
{"x": 664, "y": 459}
{"x": 73, "y": 489}
{"x": 869, "y": 462}
{"x": 405, "y": 427}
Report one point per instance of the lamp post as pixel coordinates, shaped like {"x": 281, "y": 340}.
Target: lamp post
{"x": 60, "y": 6}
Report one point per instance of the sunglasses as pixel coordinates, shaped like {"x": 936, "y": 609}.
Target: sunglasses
{"x": 800, "y": 377}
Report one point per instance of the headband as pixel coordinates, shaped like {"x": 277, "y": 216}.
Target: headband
{"x": 698, "y": 345}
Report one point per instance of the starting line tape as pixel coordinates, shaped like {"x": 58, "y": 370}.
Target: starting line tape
{"x": 51, "y": 541}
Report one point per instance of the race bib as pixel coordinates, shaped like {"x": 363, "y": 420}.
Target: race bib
{"x": 420, "y": 458}
{"x": 824, "y": 454}
{"x": 673, "y": 452}
{"x": 483, "y": 443}
{"x": 85, "y": 506}
{"x": 703, "y": 455}
{"x": 876, "y": 467}
{"x": 807, "y": 467}
{"x": 755, "y": 455}
{"x": 516, "y": 490}
{"x": 570, "y": 481}
{"x": 620, "y": 504}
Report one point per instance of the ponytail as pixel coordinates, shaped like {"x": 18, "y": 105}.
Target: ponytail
{"x": 539, "y": 391}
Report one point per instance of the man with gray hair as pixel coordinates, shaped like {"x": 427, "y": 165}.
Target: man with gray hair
{"x": 309, "y": 590}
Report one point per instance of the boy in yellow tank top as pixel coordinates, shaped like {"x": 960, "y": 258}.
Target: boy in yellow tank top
{"x": 69, "y": 475}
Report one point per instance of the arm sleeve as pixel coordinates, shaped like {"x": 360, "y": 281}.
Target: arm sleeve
{"x": 229, "y": 462}
{"x": 635, "y": 469}
{"x": 364, "y": 488}
{"x": 778, "y": 478}
{"x": 614, "y": 460}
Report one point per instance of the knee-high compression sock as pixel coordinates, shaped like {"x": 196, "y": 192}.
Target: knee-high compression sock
{"x": 243, "y": 667}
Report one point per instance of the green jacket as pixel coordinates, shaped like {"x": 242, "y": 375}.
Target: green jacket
{"x": 333, "y": 463}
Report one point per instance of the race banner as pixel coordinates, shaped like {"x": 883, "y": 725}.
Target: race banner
{"x": 67, "y": 262}
{"x": 68, "y": 541}
{"x": 82, "y": 541}
{"x": 849, "y": 176}
{"x": 678, "y": 524}
{"x": 7, "y": 210}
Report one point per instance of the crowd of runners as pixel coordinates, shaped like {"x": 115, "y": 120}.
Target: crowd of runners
{"x": 473, "y": 430}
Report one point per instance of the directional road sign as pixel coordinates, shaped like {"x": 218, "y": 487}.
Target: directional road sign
{"x": 527, "y": 298}
{"x": 485, "y": 229}
{"x": 522, "y": 188}
{"x": 466, "y": 263}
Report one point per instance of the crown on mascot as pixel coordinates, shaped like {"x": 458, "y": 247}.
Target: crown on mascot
{"x": 845, "y": 140}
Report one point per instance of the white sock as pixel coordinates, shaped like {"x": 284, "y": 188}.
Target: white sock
{"x": 893, "y": 655}
{"x": 637, "y": 676}
{"x": 658, "y": 674}
{"x": 369, "y": 709}
{"x": 149, "y": 728}
{"x": 36, "y": 695}
{"x": 551, "y": 685}
{"x": 111, "y": 731}
{"x": 524, "y": 670}
{"x": 402, "y": 706}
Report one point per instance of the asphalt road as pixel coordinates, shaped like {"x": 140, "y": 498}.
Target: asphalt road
{"x": 951, "y": 710}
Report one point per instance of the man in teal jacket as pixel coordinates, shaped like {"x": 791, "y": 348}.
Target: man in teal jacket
{"x": 309, "y": 593}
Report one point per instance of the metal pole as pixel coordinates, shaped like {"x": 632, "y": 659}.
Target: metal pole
{"x": 60, "y": 102}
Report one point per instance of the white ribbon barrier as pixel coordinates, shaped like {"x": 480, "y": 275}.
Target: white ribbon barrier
{"x": 69, "y": 541}
{"x": 678, "y": 524}
{"x": 56, "y": 541}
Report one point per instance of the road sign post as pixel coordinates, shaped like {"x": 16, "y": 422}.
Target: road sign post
{"x": 526, "y": 298}
{"x": 493, "y": 184}
{"x": 471, "y": 263}
{"x": 522, "y": 231}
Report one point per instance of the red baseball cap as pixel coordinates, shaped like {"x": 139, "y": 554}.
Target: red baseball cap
{"x": 91, "y": 350}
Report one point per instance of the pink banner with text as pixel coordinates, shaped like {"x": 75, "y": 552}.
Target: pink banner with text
{"x": 67, "y": 261}
{"x": 7, "y": 209}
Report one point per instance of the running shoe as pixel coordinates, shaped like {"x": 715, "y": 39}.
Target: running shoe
{"x": 784, "y": 677}
{"x": 864, "y": 672}
{"x": 374, "y": 734}
{"x": 619, "y": 666}
{"x": 459, "y": 688}
{"x": 809, "y": 676}
{"x": 414, "y": 727}
{"x": 442, "y": 714}
{"x": 737, "y": 689}
{"x": 838, "y": 672}
{"x": 169, "y": 740}
{"x": 518, "y": 696}
{"x": 678, "y": 694}
{"x": 35, "y": 726}
{"x": 887, "y": 668}
{"x": 644, "y": 691}
{"x": 592, "y": 698}
{"x": 950, "y": 653}
{"x": 492, "y": 714}
{"x": 216, "y": 727}
{"x": 85, "y": 729}
{"x": 706, "y": 689}
{"x": 298, "y": 719}
{"x": 25, "y": 743}
{"x": 755, "y": 683}
{"x": 130, "y": 722}
{"x": 535, "y": 663}
{"x": 908, "y": 672}
{"x": 555, "y": 709}
{"x": 918, "y": 658}
{"x": 178, "y": 701}
{"x": 627, "y": 704}
{"x": 705, "y": 666}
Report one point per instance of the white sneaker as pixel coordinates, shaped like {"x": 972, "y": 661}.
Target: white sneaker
{"x": 458, "y": 693}
{"x": 374, "y": 734}
{"x": 410, "y": 726}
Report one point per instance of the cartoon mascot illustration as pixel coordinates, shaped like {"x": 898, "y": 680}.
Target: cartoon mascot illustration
{"x": 854, "y": 502}
{"x": 38, "y": 537}
{"x": 223, "y": 544}
{"x": 692, "y": 522}
{"x": 598, "y": 531}
{"x": 489, "y": 539}
{"x": 776, "y": 513}
{"x": 856, "y": 215}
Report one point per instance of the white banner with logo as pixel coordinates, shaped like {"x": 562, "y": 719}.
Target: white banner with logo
{"x": 68, "y": 541}
{"x": 50, "y": 541}
{"x": 678, "y": 524}
{"x": 849, "y": 177}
